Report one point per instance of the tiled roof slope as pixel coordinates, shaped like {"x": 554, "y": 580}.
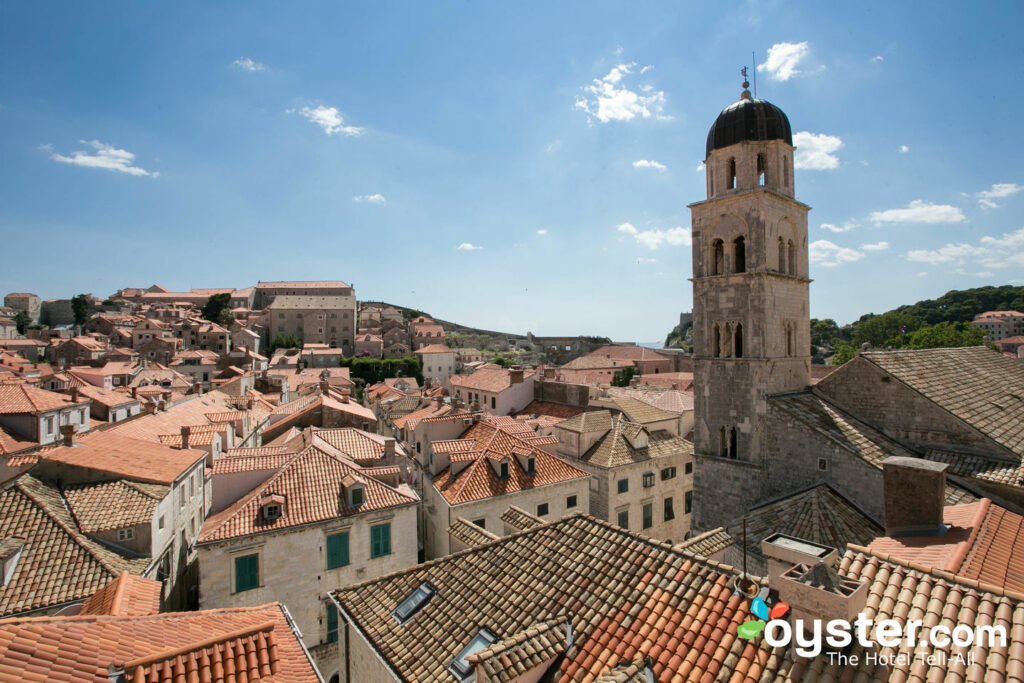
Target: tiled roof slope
{"x": 588, "y": 422}
{"x": 667, "y": 399}
{"x": 520, "y": 519}
{"x": 642, "y": 412}
{"x": 470, "y": 534}
{"x": 58, "y": 564}
{"x": 127, "y": 457}
{"x": 818, "y": 514}
{"x": 976, "y": 384}
{"x": 355, "y": 443}
{"x": 635, "y": 598}
{"x": 984, "y": 542}
{"x": 109, "y": 505}
{"x": 980, "y": 467}
{"x": 22, "y": 398}
{"x": 125, "y": 596}
{"x": 614, "y": 449}
{"x": 508, "y": 659}
{"x": 254, "y": 644}
{"x": 477, "y": 480}
{"x": 487, "y": 379}
{"x": 310, "y": 483}
{"x": 707, "y": 543}
{"x": 555, "y": 410}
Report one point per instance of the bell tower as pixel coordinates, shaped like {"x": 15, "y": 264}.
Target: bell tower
{"x": 751, "y": 321}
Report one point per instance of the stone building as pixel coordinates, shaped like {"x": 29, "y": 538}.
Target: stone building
{"x": 323, "y": 319}
{"x": 438, "y": 362}
{"x": 27, "y": 303}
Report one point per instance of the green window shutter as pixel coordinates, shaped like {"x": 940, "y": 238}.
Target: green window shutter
{"x": 332, "y": 622}
{"x": 247, "y": 573}
{"x": 380, "y": 540}
{"x": 337, "y": 550}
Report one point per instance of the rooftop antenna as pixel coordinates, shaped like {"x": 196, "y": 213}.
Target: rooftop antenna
{"x": 746, "y": 577}
{"x": 753, "y": 60}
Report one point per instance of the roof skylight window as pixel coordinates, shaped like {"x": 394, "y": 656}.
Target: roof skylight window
{"x": 414, "y": 603}
{"x": 462, "y": 669}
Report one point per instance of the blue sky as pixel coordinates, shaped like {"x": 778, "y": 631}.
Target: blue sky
{"x": 205, "y": 145}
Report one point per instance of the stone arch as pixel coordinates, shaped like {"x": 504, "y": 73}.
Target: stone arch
{"x": 716, "y": 341}
{"x": 717, "y": 258}
{"x": 737, "y": 338}
{"x": 733, "y": 443}
{"x": 727, "y": 341}
{"x": 782, "y": 255}
{"x": 739, "y": 255}
{"x": 723, "y": 448}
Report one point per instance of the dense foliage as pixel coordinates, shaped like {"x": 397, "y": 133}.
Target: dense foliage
{"x": 218, "y": 309}
{"x": 374, "y": 370}
{"x": 623, "y": 376}
{"x": 21, "y": 321}
{"x": 289, "y": 341}
{"x": 80, "y": 306}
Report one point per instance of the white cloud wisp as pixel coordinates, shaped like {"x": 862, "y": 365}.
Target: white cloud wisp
{"x": 105, "y": 156}
{"x": 783, "y": 59}
{"x": 652, "y": 239}
{"x": 816, "y": 151}
{"x": 920, "y": 211}
{"x": 330, "y": 119}
{"x": 609, "y": 99}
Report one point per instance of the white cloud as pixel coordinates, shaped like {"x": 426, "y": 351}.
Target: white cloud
{"x": 815, "y": 151}
{"x": 652, "y": 239}
{"x": 330, "y": 119}
{"x": 644, "y": 259}
{"x": 919, "y": 211}
{"x": 878, "y": 59}
{"x": 249, "y": 64}
{"x": 466, "y": 246}
{"x": 649, "y": 163}
{"x": 700, "y": 167}
{"x": 370, "y": 198}
{"x": 986, "y": 198}
{"x": 542, "y": 232}
{"x": 783, "y": 59}
{"x": 106, "y": 156}
{"x": 845, "y": 227}
{"x": 878, "y": 246}
{"x": 825, "y": 253}
{"x": 990, "y": 253}
{"x": 609, "y": 99}
{"x": 904, "y": 149}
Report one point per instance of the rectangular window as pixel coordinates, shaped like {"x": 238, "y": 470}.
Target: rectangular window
{"x": 332, "y": 623}
{"x": 570, "y": 502}
{"x": 125, "y": 534}
{"x": 337, "y": 550}
{"x": 542, "y": 510}
{"x": 247, "y": 573}
{"x": 482, "y": 523}
{"x": 492, "y": 403}
{"x": 380, "y": 540}
{"x": 623, "y": 485}
{"x": 689, "y": 502}
{"x": 689, "y": 468}
{"x": 648, "y": 515}
{"x": 670, "y": 513}
{"x": 648, "y": 479}
{"x": 624, "y": 519}
{"x": 668, "y": 473}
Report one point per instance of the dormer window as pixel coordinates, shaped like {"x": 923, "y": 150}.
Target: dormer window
{"x": 483, "y": 639}
{"x": 271, "y": 511}
{"x": 357, "y": 496}
{"x": 531, "y": 465}
{"x": 503, "y": 470}
{"x": 414, "y": 603}
{"x": 272, "y": 506}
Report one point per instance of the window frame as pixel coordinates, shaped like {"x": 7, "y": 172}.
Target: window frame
{"x": 571, "y": 502}
{"x": 376, "y": 549}
{"x": 622, "y": 485}
{"x": 335, "y": 539}
{"x": 543, "y": 509}
{"x": 237, "y": 576}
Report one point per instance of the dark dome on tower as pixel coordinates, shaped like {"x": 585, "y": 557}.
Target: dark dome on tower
{"x": 748, "y": 119}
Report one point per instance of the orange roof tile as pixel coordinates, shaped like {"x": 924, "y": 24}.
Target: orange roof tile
{"x": 22, "y": 398}
{"x": 127, "y": 457}
{"x": 125, "y": 596}
{"x": 109, "y": 505}
{"x": 487, "y": 379}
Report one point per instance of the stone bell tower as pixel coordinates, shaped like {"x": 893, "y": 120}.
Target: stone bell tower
{"x": 751, "y": 324}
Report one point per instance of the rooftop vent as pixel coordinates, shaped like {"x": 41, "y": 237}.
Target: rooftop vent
{"x": 915, "y": 496}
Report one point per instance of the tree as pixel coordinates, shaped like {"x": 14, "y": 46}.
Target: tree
{"x": 286, "y": 342}
{"x": 80, "y": 306}
{"x": 374, "y": 370}
{"x": 843, "y": 353}
{"x": 623, "y": 377}
{"x": 21, "y": 321}
{"x": 226, "y": 318}
{"x": 215, "y": 306}
{"x": 503, "y": 362}
{"x": 944, "y": 335}
{"x": 877, "y": 330}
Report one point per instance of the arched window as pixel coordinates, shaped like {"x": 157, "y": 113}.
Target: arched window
{"x": 732, "y": 175}
{"x": 716, "y": 342}
{"x": 723, "y": 448}
{"x": 789, "y": 339}
{"x": 717, "y": 257}
{"x": 738, "y": 340}
{"x": 782, "y": 256}
{"x": 727, "y": 340}
{"x": 739, "y": 253}
{"x": 792, "y": 258}
{"x": 785, "y": 170}
{"x": 760, "y": 169}
{"x": 732, "y": 443}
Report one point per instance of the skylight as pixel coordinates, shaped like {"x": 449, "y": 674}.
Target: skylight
{"x": 483, "y": 639}
{"x": 414, "y": 603}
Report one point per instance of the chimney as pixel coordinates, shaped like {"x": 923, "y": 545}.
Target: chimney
{"x": 185, "y": 432}
{"x": 817, "y": 593}
{"x": 325, "y": 387}
{"x": 135, "y": 392}
{"x": 67, "y": 434}
{"x": 549, "y": 373}
{"x": 915, "y": 495}
{"x": 198, "y": 387}
{"x": 74, "y": 394}
{"x": 439, "y": 402}
{"x": 515, "y": 374}
{"x": 389, "y": 447}
{"x": 345, "y": 393}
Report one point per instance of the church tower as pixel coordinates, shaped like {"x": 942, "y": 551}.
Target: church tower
{"x": 751, "y": 324}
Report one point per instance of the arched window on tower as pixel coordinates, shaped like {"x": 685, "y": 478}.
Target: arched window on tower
{"x": 727, "y": 340}
{"x": 733, "y": 439}
{"x": 717, "y": 257}
{"x": 737, "y": 338}
{"x": 760, "y": 169}
{"x": 782, "y": 256}
{"x": 739, "y": 260}
{"x": 723, "y": 445}
{"x": 731, "y": 185}
{"x": 716, "y": 342}
{"x": 792, "y": 258}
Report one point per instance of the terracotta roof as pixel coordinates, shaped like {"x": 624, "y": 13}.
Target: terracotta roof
{"x": 254, "y": 644}
{"x": 508, "y": 659}
{"x": 351, "y": 407}
{"x": 614, "y": 448}
{"x": 975, "y": 384}
{"x": 589, "y": 422}
{"x": 487, "y": 379}
{"x": 355, "y": 443}
{"x": 642, "y": 412}
{"x": 126, "y": 457}
{"x": 633, "y": 599}
{"x": 470, "y": 534}
{"x": 105, "y": 506}
{"x": 58, "y": 564}
{"x": 251, "y": 463}
{"x": 12, "y": 443}
{"x": 984, "y": 542}
{"x": 260, "y": 450}
{"x": 436, "y": 348}
{"x": 199, "y": 435}
{"x": 395, "y": 381}
{"x": 520, "y": 519}
{"x": 668, "y": 399}
{"x": 707, "y": 543}
{"x": 980, "y": 467}
{"x": 110, "y": 399}
{"x": 478, "y": 480}
{"x": 555, "y": 410}
{"x": 23, "y": 398}
{"x": 413, "y": 418}
{"x": 310, "y": 484}
{"x": 125, "y": 596}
